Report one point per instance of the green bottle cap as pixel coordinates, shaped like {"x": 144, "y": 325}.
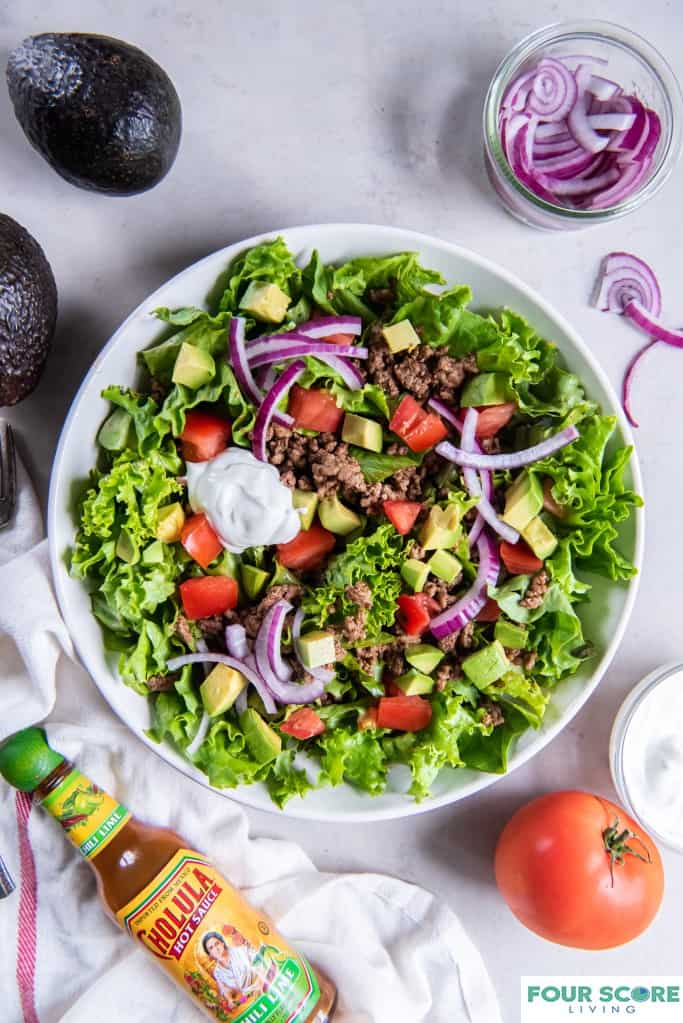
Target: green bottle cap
{"x": 26, "y": 759}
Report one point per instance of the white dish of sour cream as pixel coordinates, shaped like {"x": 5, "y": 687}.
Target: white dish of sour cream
{"x": 646, "y": 754}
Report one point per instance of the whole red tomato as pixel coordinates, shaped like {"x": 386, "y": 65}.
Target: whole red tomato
{"x": 577, "y": 870}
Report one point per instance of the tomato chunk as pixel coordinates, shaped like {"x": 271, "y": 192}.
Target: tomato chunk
{"x": 406, "y": 417}
{"x": 208, "y": 595}
{"x": 368, "y": 719}
{"x": 490, "y": 612}
{"x": 339, "y": 339}
{"x": 308, "y": 549}
{"x": 303, "y": 724}
{"x": 314, "y": 409}
{"x": 204, "y": 436}
{"x": 416, "y": 428}
{"x": 519, "y": 559}
{"x": 493, "y": 418}
{"x": 402, "y": 514}
{"x": 414, "y": 611}
{"x": 404, "y": 713}
{"x": 200, "y": 540}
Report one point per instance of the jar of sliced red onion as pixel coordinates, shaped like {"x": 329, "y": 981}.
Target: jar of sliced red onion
{"x": 582, "y": 124}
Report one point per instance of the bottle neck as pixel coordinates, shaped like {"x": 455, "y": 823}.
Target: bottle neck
{"x": 89, "y": 817}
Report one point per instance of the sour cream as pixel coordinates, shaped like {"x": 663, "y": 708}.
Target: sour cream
{"x": 647, "y": 754}
{"x": 243, "y": 499}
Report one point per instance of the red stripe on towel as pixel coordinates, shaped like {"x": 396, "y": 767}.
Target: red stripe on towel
{"x": 28, "y": 904}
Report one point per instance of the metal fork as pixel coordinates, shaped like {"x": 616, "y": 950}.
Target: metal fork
{"x": 8, "y": 474}
{"x": 7, "y": 884}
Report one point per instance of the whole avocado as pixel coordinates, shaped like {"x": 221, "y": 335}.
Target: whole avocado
{"x": 28, "y": 311}
{"x": 103, "y": 114}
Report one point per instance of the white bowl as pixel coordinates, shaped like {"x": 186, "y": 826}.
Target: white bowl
{"x": 605, "y": 618}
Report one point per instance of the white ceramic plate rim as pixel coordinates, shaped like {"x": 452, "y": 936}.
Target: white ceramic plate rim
{"x": 396, "y": 239}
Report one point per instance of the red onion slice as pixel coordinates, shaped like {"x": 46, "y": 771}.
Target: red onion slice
{"x": 580, "y": 185}
{"x": 267, "y": 409}
{"x": 232, "y": 662}
{"x": 652, "y": 326}
{"x": 625, "y": 278}
{"x": 553, "y": 130}
{"x": 238, "y": 360}
{"x": 602, "y": 88}
{"x": 554, "y": 91}
{"x": 236, "y": 641}
{"x": 327, "y": 325}
{"x": 631, "y": 179}
{"x": 628, "y": 381}
{"x": 267, "y": 653}
{"x": 611, "y": 122}
{"x": 295, "y": 349}
{"x": 469, "y": 605}
{"x": 475, "y": 486}
{"x": 511, "y": 460}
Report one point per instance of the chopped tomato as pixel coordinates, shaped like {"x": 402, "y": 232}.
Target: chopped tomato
{"x": 208, "y": 595}
{"x": 416, "y": 428}
{"x": 314, "y": 409}
{"x": 204, "y": 436}
{"x": 404, "y": 713}
{"x": 303, "y": 724}
{"x": 490, "y": 612}
{"x": 402, "y": 514}
{"x": 368, "y": 719}
{"x": 308, "y": 549}
{"x": 519, "y": 559}
{"x": 339, "y": 339}
{"x": 200, "y": 541}
{"x": 414, "y": 612}
{"x": 493, "y": 418}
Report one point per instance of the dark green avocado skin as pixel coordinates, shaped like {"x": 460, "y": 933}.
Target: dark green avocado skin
{"x": 28, "y": 311}
{"x": 103, "y": 114}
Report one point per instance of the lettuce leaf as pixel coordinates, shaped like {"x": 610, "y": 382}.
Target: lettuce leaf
{"x": 353, "y": 756}
{"x": 271, "y": 262}
{"x": 377, "y": 467}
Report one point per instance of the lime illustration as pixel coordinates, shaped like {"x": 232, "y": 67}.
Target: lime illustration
{"x": 640, "y": 994}
{"x": 82, "y": 802}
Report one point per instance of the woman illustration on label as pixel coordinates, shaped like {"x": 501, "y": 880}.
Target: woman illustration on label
{"x": 234, "y": 970}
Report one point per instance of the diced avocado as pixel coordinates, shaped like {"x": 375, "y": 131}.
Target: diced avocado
{"x": 170, "y": 522}
{"x": 486, "y": 665}
{"x": 541, "y": 539}
{"x": 424, "y": 657}
{"x": 126, "y": 548}
{"x": 364, "y": 433}
{"x": 283, "y": 577}
{"x": 514, "y": 637}
{"x": 264, "y": 743}
{"x": 444, "y": 566}
{"x": 226, "y": 563}
{"x": 336, "y": 517}
{"x": 220, "y": 689}
{"x": 265, "y": 302}
{"x": 253, "y": 579}
{"x": 316, "y": 649}
{"x": 415, "y": 574}
{"x": 414, "y": 683}
{"x": 486, "y": 389}
{"x": 306, "y": 503}
{"x": 115, "y": 431}
{"x": 523, "y": 500}
{"x": 439, "y": 531}
{"x": 401, "y": 336}
{"x": 194, "y": 367}
{"x": 153, "y": 554}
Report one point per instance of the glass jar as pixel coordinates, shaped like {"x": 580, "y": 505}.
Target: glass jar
{"x": 635, "y": 65}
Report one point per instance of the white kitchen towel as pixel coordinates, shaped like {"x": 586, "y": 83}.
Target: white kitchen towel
{"x": 396, "y": 952}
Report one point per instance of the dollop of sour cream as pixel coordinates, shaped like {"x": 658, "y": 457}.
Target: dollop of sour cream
{"x": 243, "y": 499}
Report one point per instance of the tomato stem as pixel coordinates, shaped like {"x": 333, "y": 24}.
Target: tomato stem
{"x": 617, "y": 847}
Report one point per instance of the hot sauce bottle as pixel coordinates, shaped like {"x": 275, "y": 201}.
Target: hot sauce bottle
{"x": 224, "y": 954}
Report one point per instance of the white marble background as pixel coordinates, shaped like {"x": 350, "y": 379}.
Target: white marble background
{"x": 299, "y": 112}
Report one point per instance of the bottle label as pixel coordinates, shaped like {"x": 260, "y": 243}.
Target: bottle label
{"x": 89, "y": 816}
{"x": 223, "y": 952}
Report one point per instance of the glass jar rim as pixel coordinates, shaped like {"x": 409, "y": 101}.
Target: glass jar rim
{"x": 612, "y": 34}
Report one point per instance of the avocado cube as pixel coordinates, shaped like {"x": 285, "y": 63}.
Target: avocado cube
{"x": 253, "y": 579}
{"x": 364, "y": 433}
{"x": 306, "y": 503}
{"x": 263, "y": 742}
{"x": 126, "y": 548}
{"x": 115, "y": 431}
{"x": 153, "y": 554}
{"x": 283, "y": 577}
{"x": 220, "y": 689}
{"x": 424, "y": 657}
{"x": 439, "y": 531}
{"x": 414, "y": 683}
{"x": 401, "y": 336}
{"x": 194, "y": 367}
{"x": 444, "y": 566}
{"x": 514, "y": 637}
{"x": 415, "y": 573}
{"x": 227, "y": 563}
{"x": 487, "y": 665}
{"x": 336, "y": 517}
{"x": 265, "y": 302}
{"x": 317, "y": 648}
{"x": 541, "y": 539}
{"x": 523, "y": 500}
{"x": 170, "y": 522}
{"x": 485, "y": 389}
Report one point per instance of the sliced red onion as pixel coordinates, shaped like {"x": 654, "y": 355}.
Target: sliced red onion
{"x": 231, "y": 662}
{"x": 566, "y": 165}
{"x": 518, "y": 91}
{"x": 268, "y": 644}
{"x": 552, "y": 130}
{"x": 652, "y": 326}
{"x": 446, "y": 412}
{"x": 200, "y": 734}
{"x": 295, "y": 349}
{"x": 238, "y": 360}
{"x": 583, "y": 58}
{"x": 511, "y": 460}
{"x": 474, "y": 484}
{"x": 350, "y": 374}
{"x": 328, "y": 325}
{"x": 628, "y": 382}
{"x": 580, "y": 185}
{"x": 547, "y": 150}
{"x": 631, "y": 179}
{"x": 236, "y": 641}
{"x": 469, "y": 605}
{"x": 625, "y": 278}
{"x": 554, "y": 91}
{"x": 267, "y": 409}
{"x": 611, "y": 122}
{"x": 602, "y": 88}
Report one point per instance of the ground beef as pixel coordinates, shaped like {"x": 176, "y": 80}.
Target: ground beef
{"x": 184, "y": 630}
{"x": 380, "y": 363}
{"x": 157, "y": 390}
{"x": 390, "y": 654}
{"x": 493, "y": 715}
{"x": 213, "y": 627}
{"x": 360, "y": 593}
{"x": 353, "y": 626}
{"x": 466, "y": 636}
{"x": 440, "y": 592}
{"x": 448, "y": 643}
{"x": 414, "y": 374}
{"x": 490, "y": 445}
{"x": 160, "y": 683}
{"x": 536, "y": 590}
{"x": 449, "y": 375}
{"x": 447, "y": 673}
{"x": 395, "y": 663}
{"x": 523, "y": 658}
{"x": 253, "y": 617}
{"x": 416, "y": 552}
{"x": 422, "y": 372}
{"x": 382, "y": 298}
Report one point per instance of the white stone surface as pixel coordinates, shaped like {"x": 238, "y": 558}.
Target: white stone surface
{"x": 300, "y": 112}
